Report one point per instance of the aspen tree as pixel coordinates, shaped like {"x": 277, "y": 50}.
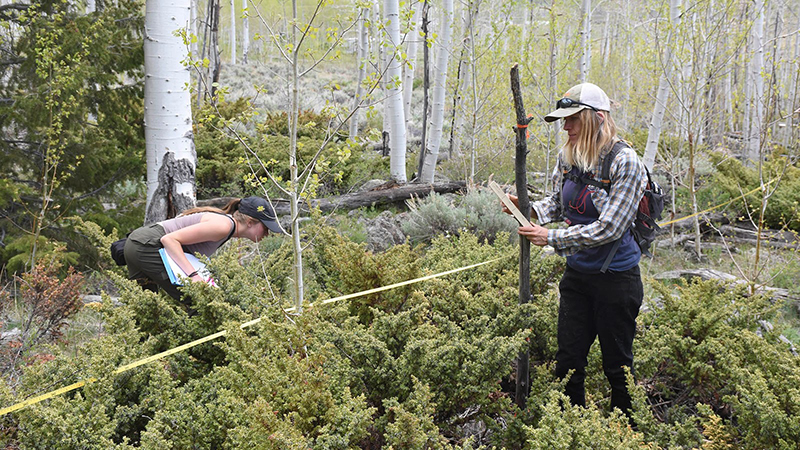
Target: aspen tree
{"x": 232, "y": 32}
{"x": 585, "y": 61}
{"x": 394, "y": 98}
{"x": 756, "y": 84}
{"x": 439, "y": 91}
{"x": 362, "y": 54}
{"x": 662, "y": 94}
{"x": 412, "y": 39}
{"x": 245, "y": 31}
{"x": 169, "y": 149}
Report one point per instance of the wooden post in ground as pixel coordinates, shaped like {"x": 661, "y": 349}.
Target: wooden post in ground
{"x": 523, "y": 366}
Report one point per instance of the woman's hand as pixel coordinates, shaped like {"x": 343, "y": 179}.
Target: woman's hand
{"x": 197, "y": 277}
{"x": 534, "y": 233}
{"x": 514, "y": 200}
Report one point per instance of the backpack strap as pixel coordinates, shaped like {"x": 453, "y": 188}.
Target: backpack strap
{"x": 605, "y": 173}
{"x": 605, "y": 178}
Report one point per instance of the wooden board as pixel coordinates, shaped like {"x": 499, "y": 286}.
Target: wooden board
{"x": 509, "y": 204}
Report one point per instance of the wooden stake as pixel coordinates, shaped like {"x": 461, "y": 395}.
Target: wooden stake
{"x": 521, "y": 179}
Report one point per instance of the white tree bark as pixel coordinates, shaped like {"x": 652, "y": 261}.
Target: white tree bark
{"x": 193, "y": 46}
{"x": 794, "y": 84}
{"x": 233, "y": 32}
{"x": 554, "y": 94}
{"x": 394, "y": 97}
{"x": 410, "y": 67}
{"x": 91, "y": 6}
{"x": 607, "y": 39}
{"x": 169, "y": 147}
{"x": 245, "y": 31}
{"x": 294, "y": 191}
{"x": 756, "y": 70}
{"x": 662, "y": 95}
{"x": 627, "y": 68}
{"x": 362, "y": 49}
{"x": 585, "y": 61}
{"x": 439, "y": 91}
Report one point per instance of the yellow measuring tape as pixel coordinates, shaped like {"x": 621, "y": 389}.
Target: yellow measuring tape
{"x": 211, "y": 337}
{"x": 663, "y": 224}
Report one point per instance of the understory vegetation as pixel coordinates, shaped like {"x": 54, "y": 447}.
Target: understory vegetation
{"x": 428, "y": 365}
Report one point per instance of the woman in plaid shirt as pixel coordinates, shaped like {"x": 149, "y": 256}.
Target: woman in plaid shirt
{"x": 600, "y": 295}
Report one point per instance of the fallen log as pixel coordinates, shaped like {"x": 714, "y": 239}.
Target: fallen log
{"x": 772, "y": 238}
{"x": 390, "y": 194}
{"x": 711, "y": 274}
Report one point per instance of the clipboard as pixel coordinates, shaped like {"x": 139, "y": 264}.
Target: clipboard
{"x": 509, "y": 204}
{"x": 177, "y": 275}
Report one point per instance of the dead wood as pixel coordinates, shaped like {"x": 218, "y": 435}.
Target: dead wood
{"x": 711, "y": 274}
{"x": 380, "y": 196}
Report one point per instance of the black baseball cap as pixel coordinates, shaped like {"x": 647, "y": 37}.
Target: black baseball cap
{"x": 259, "y": 208}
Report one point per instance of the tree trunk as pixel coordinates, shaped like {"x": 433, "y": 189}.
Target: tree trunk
{"x": 439, "y": 92}
{"x": 394, "y": 97}
{"x": 461, "y": 82}
{"x": 245, "y": 31}
{"x": 216, "y": 61}
{"x": 662, "y": 95}
{"x": 169, "y": 146}
{"x": 554, "y": 94}
{"x": 584, "y": 63}
{"x": 520, "y": 171}
{"x": 390, "y": 194}
{"x": 233, "y": 32}
{"x": 425, "y": 87}
{"x": 294, "y": 191}
{"x": 408, "y": 69}
{"x": 693, "y": 197}
{"x": 473, "y": 81}
{"x": 607, "y": 39}
{"x": 756, "y": 69}
{"x": 794, "y": 88}
{"x": 362, "y": 44}
{"x": 193, "y": 46}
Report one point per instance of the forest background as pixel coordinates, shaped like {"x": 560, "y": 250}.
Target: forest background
{"x": 303, "y": 101}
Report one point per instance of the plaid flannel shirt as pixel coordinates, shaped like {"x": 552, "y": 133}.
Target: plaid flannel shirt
{"x": 617, "y": 209}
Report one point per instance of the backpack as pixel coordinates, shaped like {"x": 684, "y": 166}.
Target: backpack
{"x": 651, "y": 205}
{"x": 118, "y": 251}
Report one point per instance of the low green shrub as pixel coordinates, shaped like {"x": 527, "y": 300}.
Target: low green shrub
{"x": 411, "y": 367}
{"x": 783, "y": 206}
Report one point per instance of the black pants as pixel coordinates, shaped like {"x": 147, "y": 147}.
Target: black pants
{"x": 605, "y": 306}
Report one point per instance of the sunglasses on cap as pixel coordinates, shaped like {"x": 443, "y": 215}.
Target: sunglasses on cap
{"x": 569, "y": 103}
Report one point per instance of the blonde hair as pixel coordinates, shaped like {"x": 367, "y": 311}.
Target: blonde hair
{"x": 594, "y": 137}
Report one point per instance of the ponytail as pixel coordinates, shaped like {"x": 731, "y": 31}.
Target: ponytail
{"x": 230, "y": 208}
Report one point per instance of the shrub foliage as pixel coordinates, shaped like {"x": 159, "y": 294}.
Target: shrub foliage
{"x": 428, "y": 365}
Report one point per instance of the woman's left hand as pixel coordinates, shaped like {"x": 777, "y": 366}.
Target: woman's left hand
{"x": 536, "y": 234}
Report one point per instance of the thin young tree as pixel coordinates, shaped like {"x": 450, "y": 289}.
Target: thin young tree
{"x": 362, "y": 53}
{"x": 301, "y": 61}
{"x": 585, "y": 61}
{"x": 232, "y": 32}
{"x": 245, "y": 31}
